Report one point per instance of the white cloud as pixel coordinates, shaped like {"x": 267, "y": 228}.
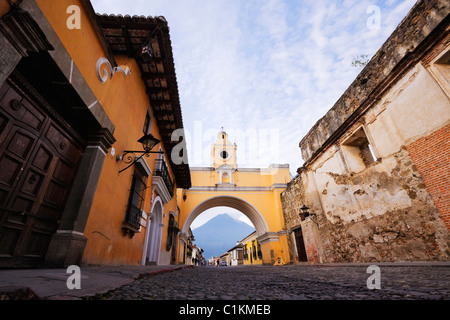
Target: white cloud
{"x": 264, "y": 65}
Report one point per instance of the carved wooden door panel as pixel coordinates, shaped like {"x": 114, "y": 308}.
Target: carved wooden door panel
{"x": 38, "y": 161}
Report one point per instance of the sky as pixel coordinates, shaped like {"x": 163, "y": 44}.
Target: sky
{"x": 264, "y": 70}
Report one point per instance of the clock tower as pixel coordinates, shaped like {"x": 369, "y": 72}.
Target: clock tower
{"x": 256, "y": 192}
{"x": 223, "y": 157}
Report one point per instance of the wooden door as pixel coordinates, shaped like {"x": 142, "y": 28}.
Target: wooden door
{"x": 38, "y": 161}
{"x": 301, "y": 250}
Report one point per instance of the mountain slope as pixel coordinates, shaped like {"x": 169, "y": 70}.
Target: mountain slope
{"x": 220, "y": 234}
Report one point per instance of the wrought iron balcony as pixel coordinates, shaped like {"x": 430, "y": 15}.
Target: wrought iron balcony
{"x": 163, "y": 172}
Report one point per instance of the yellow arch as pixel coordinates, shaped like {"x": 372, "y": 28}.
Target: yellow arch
{"x": 256, "y": 192}
{"x": 253, "y": 191}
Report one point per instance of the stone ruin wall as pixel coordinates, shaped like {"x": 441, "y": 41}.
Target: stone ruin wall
{"x": 391, "y": 232}
{"x": 395, "y": 209}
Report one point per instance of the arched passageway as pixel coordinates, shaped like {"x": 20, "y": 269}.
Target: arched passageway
{"x": 256, "y": 192}
{"x": 233, "y": 202}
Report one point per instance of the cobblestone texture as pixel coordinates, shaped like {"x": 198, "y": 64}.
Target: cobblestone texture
{"x": 290, "y": 283}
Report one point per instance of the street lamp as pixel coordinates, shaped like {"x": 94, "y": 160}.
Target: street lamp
{"x": 304, "y": 213}
{"x": 146, "y": 53}
{"x": 148, "y": 143}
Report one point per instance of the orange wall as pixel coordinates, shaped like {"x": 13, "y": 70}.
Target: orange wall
{"x": 126, "y": 103}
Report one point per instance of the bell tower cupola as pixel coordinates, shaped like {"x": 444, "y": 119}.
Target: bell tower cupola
{"x": 223, "y": 157}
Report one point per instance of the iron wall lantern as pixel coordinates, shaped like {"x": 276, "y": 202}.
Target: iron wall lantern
{"x": 148, "y": 143}
{"x": 146, "y": 54}
{"x": 304, "y": 213}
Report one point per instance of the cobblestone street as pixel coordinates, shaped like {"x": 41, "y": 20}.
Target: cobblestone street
{"x": 341, "y": 282}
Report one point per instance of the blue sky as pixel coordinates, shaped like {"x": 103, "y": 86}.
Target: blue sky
{"x": 266, "y": 71}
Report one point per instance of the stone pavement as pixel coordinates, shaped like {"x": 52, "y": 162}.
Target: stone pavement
{"x": 292, "y": 282}
{"x": 51, "y": 284}
{"x": 398, "y": 281}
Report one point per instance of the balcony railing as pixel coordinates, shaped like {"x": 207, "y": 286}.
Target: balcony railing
{"x": 163, "y": 172}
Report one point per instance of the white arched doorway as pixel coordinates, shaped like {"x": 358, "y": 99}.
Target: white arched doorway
{"x": 233, "y": 202}
{"x": 152, "y": 248}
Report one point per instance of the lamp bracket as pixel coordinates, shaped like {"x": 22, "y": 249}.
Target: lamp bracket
{"x": 129, "y": 157}
{"x": 313, "y": 217}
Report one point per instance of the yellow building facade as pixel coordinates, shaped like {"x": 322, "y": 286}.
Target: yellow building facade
{"x": 253, "y": 191}
{"x": 252, "y": 250}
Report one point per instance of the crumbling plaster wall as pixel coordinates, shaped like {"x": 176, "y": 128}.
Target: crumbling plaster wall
{"x": 383, "y": 213}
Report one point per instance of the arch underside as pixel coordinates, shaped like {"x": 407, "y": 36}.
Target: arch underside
{"x": 228, "y": 201}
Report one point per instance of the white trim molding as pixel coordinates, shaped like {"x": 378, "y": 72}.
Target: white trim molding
{"x": 160, "y": 188}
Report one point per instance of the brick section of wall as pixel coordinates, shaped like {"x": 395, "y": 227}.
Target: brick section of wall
{"x": 431, "y": 156}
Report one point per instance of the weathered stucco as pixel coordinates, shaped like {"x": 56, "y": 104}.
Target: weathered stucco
{"x": 382, "y": 214}
{"x": 373, "y": 201}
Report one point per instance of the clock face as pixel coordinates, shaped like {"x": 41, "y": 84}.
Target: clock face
{"x": 224, "y": 155}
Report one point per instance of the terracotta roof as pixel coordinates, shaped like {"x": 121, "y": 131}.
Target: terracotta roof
{"x": 127, "y": 35}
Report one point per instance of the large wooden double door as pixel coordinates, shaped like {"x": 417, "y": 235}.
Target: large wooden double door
{"x": 39, "y": 157}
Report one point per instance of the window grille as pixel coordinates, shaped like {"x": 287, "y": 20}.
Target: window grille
{"x": 136, "y": 200}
